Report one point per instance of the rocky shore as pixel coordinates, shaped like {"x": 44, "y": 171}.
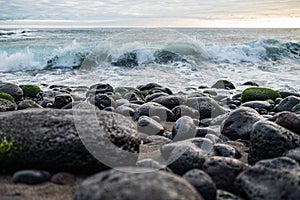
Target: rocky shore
{"x": 147, "y": 142}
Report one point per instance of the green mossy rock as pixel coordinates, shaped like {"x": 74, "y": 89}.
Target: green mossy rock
{"x": 31, "y": 90}
{"x": 6, "y": 105}
{"x": 259, "y": 93}
{"x": 296, "y": 108}
{"x": 28, "y": 104}
{"x": 223, "y": 84}
{"x": 6, "y": 96}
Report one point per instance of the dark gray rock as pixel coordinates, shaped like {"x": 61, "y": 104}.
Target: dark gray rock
{"x": 279, "y": 163}
{"x": 184, "y": 128}
{"x": 149, "y": 86}
{"x": 288, "y": 120}
{"x": 119, "y": 185}
{"x": 154, "y": 109}
{"x": 128, "y": 59}
{"x": 226, "y": 150}
{"x": 185, "y": 155}
{"x": 132, "y": 96}
{"x": 239, "y": 123}
{"x": 28, "y": 104}
{"x": 294, "y": 154}
{"x": 165, "y": 57}
{"x": 48, "y": 139}
{"x": 15, "y": 91}
{"x": 171, "y": 101}
{"x": 288, "y": 103}
{"x": 264, "y": 183}
{"x": 202, "y": 182}
{"x": 257, "y": 105}
{"x": 151, "y": 97}
{"x": 202, "y": 132}
{"x": 102, "y": 101}
{"x": 31, "y": 177}
{"x": 269, "y": 140}
{"x": 206, "y": 107}
{"x": 156, "y": 139}
{"x": 149, "y": 126}
{"x": 223, "y": 171}
{"x": 224, "y": 195}
{"x": 62, "y": 100}
{"x": 6, "y": 105}
{"x": 183, "y": 110}
{"x": 223, "y": 84}
{"x": 63, "y": 178}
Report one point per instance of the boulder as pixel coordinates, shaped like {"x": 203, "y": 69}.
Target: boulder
{"x": 15, "y": 91}
{"x": 119, "y": 185}
{"x": 184, "y": 128}
{"x": 223, "y": 84}
{"x": 49, "y": 139}
{"x": 259, "y": 93}
{"x": 171, "y": 101}
{"x": 289, "y": 121}
{"x": 31, "y": 90}
{"x": 288, "y": 103}
{"x": 6, "y": 105}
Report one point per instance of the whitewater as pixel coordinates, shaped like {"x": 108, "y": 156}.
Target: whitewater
{"x": 177, "y": 58}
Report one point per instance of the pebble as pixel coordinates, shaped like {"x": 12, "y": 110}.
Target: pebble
{"x": 31, "y": 177}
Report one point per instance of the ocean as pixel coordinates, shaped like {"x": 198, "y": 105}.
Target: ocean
{"x": 179, "y": 58}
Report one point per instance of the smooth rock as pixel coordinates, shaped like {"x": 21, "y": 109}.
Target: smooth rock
{"x": 269, "y": 140}
{"x": 31, "y": 90}
{"x": 102, "y": 101}
{"x": 223, "y": 171}
{"x": 258, "y": 105}
{"x": 288, "y": 120}
{"x": 226, "y": 150}
{"x": 202, "y": 182}
{"x": 31, "y": 177}
{"x": 184, "y": 128}
{"x": 206, "y": 107}
{"x": 125, "y": 110}
{"x": 62, "y": 100}
{"x": 223, "y": 84}
{"x": 149, "y": 126}
{"x": 15, "y": 91}
{"x": 154, "y": 109}
{"x": 202, "y": 132}
{"x": 119, "y": 185}
{"x": 259, "y": 93}
{"x": 171, "y": 101}
{"x": 239, "y": 123}
{"x": 288, "y": 103}
{"x": 63, "y": 178}
{"x": 48, "y": 139}
{"x": 28, "y": 104}
{"x": 183, "y": 110}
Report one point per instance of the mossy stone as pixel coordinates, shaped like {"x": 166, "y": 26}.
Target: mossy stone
{"x": 6, "y": 96}
{"x": 28, "y": 104}
{"x": 296, "y": 108}
{"x": 6, "y": 105}
{"x": 31, "y": 90}
{"x": 223, "y": 84}
{"x": 259, "y": 93}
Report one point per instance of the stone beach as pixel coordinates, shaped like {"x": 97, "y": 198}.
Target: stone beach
{"x": 222, "y": 142}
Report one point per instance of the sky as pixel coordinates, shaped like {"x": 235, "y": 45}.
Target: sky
{"x": 150, "y": 13}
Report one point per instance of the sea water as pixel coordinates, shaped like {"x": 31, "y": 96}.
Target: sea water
{"x": 193, "y": 57}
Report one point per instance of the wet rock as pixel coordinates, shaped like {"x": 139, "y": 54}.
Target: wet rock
{"x": 151, "y": 97}
{"x": 125, "y": 110}
{"x": 28, "y": 104}
{"x": 149, "y": 86}
{"x": 62, "y": 100}
{"x": 7, "y": 97}
{"x": 63, "y": 178}
{"x": 206, "y": 107}
{"x": 225, "y": 150}
{"x": 223, "y": 171}
{"x": 259, "y": 93}
{"x": 165, "y": 57}
{"x": 171, "y": 101}
{"x": 15, "y": 91}
{"x": 279, "y": 163}
{"x": 265, "y": 183}
{"x": 119, "y": 185}
{"x": 239, "y": 123}
{"x": 202, "y": 182}
{"x": 288, "y": 103}
{"x": 6, "y": 105}
{"x": 296, "y": 108}
{"x": 149, "y": 126}
{"x": 269, "y": 140}
{"x": 100, "y": 88}
{"x": 183, "y": 110}
{"x": 223, "y": 84}
{"x": 48, "y": 139}
{"x": 31, "y": 90}
{"x": 288, "y": 120}
{"x": 102, "y": 101}
{"x": 202, "y": 132}
{"x": 132, "y": 96}
{"x": 154, "y": 109}
{"x": 185, "y": 155}
{"x": 258, "y": 105}
{"x": 184, "y": 128}
{"x": 250, "y": 83}
{"x": 31, "y": 177}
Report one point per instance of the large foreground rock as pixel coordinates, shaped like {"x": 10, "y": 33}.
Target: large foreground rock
{"x": 119, "y": 185}
{"x": 49, "y": 140}
{"x": 269, "y": 140}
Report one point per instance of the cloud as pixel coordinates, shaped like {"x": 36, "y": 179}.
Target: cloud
{"x": 135, "y": 11}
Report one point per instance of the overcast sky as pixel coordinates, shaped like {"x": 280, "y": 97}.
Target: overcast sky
{"x": 148, "y": 13}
